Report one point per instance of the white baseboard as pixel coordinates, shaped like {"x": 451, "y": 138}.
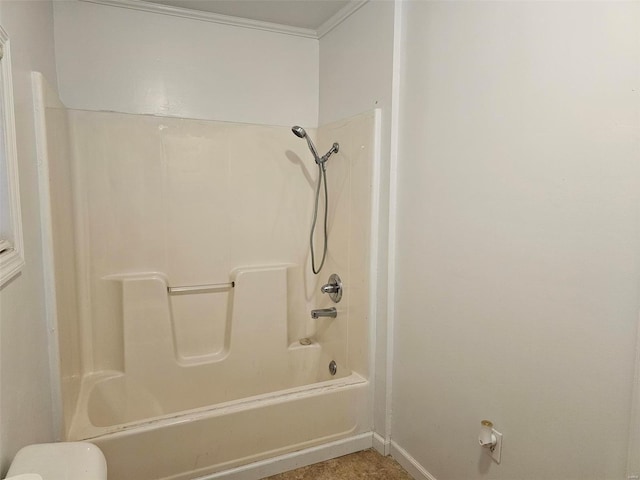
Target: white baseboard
{"x": 382, "y": 445}
{"x": 409, "y": 463}
{"x": 293, "y": 460}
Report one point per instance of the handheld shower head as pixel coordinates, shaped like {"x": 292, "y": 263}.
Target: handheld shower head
{"x": 300, "y": 132}
{"x": 322, "y": 178}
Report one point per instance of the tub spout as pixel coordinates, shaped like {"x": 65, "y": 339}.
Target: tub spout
{"x": 324, "y": 312}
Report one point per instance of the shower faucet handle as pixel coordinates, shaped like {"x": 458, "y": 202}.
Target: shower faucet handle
{"x": 333, "y": 288}
{"x": 330, "y": 288}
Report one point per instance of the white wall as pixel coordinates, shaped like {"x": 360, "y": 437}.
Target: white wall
{"x": 125, "y": 60}
{"x": 356, "y": 60}
{"x": 518, "y": 253}
{"x": 25, "y": 398}
{"x": 355, "y": 63}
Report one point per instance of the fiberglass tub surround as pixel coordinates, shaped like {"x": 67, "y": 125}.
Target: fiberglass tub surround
{"x": 166, "y": 203}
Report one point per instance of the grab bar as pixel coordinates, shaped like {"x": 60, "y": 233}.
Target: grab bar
{"x": 212, "y": 287}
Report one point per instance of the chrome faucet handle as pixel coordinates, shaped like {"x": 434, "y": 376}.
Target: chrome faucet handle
{"x": 329, "y": 288}
{"x": 333, "y": 288}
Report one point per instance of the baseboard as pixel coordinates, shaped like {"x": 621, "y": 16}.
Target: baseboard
{"x": 409, "y": 463}
{"x": 293, "y": 460}
{"x": 382, "y": 446}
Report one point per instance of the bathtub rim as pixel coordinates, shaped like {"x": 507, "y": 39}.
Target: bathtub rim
{"x": 75, "y": 432}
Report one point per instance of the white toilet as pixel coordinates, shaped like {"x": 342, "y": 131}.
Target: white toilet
{"x": 59, "y": 461}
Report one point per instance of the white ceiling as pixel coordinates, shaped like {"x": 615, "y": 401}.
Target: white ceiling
{"x": 309, "y": 14}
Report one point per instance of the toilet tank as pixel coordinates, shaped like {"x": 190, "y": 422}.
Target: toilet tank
{"x": 61, "y": 461}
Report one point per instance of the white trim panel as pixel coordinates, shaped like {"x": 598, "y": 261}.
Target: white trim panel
{"x": 46, "y": 221}
{"x": 633, "y": 458}
{"x": 374, "y": 255}
{"x": 409, "y": 463}
{"x": 393, "y": 212}
{"x": 382, "y": 446}
{"x": 12, "y": 261}
{"x": 291, "y": 461}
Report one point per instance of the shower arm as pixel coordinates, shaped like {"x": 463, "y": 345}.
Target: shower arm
{"x": 334, "y": 149}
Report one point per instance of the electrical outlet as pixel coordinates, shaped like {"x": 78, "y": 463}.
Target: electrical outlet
{"x": 496, "y": 450}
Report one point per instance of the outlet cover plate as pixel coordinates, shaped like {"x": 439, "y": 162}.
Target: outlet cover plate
{"x": 496, "y": 452}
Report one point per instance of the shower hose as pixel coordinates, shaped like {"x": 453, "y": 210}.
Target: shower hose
{"x": 322, "y": 179}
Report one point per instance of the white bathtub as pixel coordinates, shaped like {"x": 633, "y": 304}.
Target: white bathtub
{"x": 180, "y": 387}
{"x": 258, "y": 397}
{"x": 204, "y": 441}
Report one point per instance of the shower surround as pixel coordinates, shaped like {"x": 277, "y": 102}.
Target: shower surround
{"x": 175, "y": 383}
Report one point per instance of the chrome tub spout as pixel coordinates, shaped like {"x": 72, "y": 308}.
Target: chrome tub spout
{"x": 324, "y": 312}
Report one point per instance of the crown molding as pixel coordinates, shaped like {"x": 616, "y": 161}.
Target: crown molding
{"x": 340, "y": 16}
{"x": 143, "y": 6}
{"x": 140, "y": 5}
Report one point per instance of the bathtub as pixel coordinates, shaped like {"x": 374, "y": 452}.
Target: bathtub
{"x": 166, "y": 416}
{"x": 201, "y": 442}
{"x": 203, "y": 384}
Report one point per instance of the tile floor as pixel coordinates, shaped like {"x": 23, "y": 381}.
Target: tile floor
{"x": 367, "y": 464}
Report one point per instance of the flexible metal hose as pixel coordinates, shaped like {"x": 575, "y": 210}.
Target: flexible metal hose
{"x": 322, "y": 178}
